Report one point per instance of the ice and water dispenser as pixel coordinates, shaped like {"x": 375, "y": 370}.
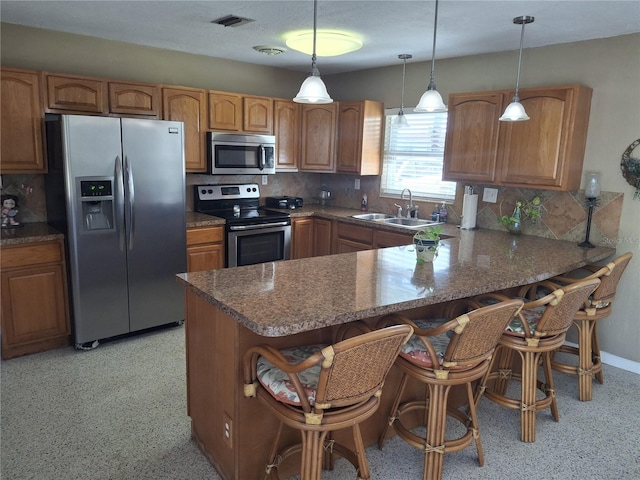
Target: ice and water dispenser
{"x": 96, "y": 200}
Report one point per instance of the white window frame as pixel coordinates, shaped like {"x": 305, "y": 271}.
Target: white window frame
{"x": 428, "y": 157}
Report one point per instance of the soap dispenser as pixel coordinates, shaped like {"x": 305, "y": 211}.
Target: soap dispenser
{"x": 443, "y": 213}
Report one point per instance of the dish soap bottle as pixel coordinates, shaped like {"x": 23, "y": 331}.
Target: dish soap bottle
{"x": 435, "y": 216}
{"x": 363, "y": 206}
{"x": 443, "y": 213}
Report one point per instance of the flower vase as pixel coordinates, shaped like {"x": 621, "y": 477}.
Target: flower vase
{"x": 515, "y": 225}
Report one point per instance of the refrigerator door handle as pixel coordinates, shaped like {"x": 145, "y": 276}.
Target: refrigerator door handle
{"x": 128, "y": 170}
{"x": 119, "y": 199}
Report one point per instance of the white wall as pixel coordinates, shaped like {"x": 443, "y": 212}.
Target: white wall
{"x": 610, "y": 66}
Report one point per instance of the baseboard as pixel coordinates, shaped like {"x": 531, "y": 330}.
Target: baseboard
{"x": 615, "y": 361}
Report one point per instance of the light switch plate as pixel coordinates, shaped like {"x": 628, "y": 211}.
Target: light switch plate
{"x": 490, "y": 195}
{"x": 356, "y": 184}
{"x": 264, "y": 179}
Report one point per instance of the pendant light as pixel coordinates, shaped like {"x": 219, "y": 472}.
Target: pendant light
{"x": 400, "y": 120}
{"x": 313, "y": 89}
{"x": 431, "y": 100}
{"x": 515, "y": 110}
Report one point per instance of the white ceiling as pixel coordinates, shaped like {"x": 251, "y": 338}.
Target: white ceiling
{"x": 387, "y": 28}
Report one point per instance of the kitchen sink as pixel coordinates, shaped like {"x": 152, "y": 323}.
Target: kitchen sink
{"x": 372, "y": 216}
{"x": 415, "y": 223}
{"x": 409, "y": 223}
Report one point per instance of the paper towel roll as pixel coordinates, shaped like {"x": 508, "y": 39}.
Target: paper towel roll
{"x": 469, "y": 211}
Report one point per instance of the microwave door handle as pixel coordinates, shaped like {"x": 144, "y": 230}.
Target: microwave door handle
{"x": 263, "y": 157}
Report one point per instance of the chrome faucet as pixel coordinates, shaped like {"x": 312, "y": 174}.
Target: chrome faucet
{"x": 412, "y": 211}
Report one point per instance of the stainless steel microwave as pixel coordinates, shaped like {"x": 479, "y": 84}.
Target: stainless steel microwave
{"x": 240, "y": 154}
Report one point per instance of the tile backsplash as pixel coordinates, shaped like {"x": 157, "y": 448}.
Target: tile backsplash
{"x": 564, "y": 214}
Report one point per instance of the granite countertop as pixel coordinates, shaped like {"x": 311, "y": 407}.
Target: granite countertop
{"x": 195, "y": 219}
{"x": 28, "y": 233}
{"x": 284, "y": 298}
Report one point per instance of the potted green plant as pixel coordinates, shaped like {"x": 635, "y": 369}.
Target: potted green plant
{"x": 427, "y": 242}
{"x": 531, "y": 210}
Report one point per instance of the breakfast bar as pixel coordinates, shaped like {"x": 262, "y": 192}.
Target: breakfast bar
{"x": 303, "y": 301}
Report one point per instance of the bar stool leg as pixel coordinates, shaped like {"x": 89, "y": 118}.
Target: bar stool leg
{"x": 503, "y": 366}
{"x": 434, "y": 447}
{"x": 474, "y": 424}
{"x": 595, "y": 347}
{"x": 312, "y": 455}
{"x": 550, "y": 387}
{"x": 585, "y": 360}
{"x": 393, "y": 413}
{"x": 529, "y": 382}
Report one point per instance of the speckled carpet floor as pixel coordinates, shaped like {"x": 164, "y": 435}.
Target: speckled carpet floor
{"x": 119, "y": 412}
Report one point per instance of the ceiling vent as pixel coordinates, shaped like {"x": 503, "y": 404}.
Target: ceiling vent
{"x": 232, "y": 21}
{"x": 268, "y": 50}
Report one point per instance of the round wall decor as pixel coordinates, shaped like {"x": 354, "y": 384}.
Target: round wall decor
{"x": 631, "y": 168}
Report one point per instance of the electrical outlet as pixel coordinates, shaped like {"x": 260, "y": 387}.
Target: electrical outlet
{"x": 356, "y": 184}
{"x": 265, "y": 179}
{"x": 490, "y": 195}
{"x": 228, "y": 429}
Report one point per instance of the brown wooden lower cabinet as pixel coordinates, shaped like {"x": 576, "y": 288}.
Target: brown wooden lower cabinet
{"x": 35, "y": 308}
{"x": 205, "y": 248}
{"x": 311, "y": 237}
{"x": 352, "y": 238}
{"x": 382, "y": 239}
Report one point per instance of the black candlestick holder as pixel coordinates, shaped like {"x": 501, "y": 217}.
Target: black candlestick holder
{"x": 591, "y": 202}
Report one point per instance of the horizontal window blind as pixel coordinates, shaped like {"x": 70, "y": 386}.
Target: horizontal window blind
{"x": 413, "y": 157}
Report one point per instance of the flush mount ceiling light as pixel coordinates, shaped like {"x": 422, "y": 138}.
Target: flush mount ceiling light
{"x": 328, "y": 43}
{"x": 267, "y": 50}
{"x": 400, "y": 120}
{"x": 431, "y": 100}
{"x": 515, "y": 110}
{"x": 313, "y": 89}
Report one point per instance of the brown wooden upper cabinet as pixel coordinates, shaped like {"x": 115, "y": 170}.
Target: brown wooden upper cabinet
{"x": 134, "y": 99}
{"x": 545, "y": 152}
{"x": 360, "y": 137}
{"x": 188, "y": 105}
{"x": 21, "y": 123}
{"x": 286, "y": 128}
{"x": 240, "y": 113}
{"x": 77, "y": 94}
{"x": 318, "y": 138}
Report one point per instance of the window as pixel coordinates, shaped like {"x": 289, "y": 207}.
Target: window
{"x": 413, "y": 157}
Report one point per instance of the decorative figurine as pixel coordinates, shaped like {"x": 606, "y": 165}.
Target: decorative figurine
{"x": 9, "y": 211}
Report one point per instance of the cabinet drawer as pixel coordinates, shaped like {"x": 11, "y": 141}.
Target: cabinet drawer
{"x": 363, "y": 234}
{"x": 197, "y": 236}
{"x": 20, "y": 255}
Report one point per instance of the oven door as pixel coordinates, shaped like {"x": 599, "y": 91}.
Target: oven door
{"x": 251, "y": 244}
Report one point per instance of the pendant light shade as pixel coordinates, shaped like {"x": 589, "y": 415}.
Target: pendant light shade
{"x": 515, "y": 111}
{"x": 400, "y": 120}
{"x": 431, "y": 100}
{"x": 313, "y": 89}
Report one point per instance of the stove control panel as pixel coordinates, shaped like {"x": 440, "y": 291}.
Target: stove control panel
{"x": 227, "y": 192}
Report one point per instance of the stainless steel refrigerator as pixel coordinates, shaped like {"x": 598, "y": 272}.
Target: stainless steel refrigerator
{"x": 116, "y": 187}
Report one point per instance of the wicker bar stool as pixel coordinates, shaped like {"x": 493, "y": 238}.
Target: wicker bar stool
{"x": 539, "y": 329}
{"x": 442, "y": 355}
{"x": 318, "y": 389}
{"x": 598, "y": 306}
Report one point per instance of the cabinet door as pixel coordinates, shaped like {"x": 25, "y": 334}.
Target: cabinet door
{"x": 188, "y": 105}
{"x": 205, "y": 257}
{"x": 318, "y": 138}
{"x": 322, "y": 234}
{"x": 360, "y": 127}
{"x": 257, "y": 115}
{"x": 21, "y": 123}
{"x": 134, "y": 99}
{"x": 302, "y": 242}
{"x": 353, "y": 238}
{"x": 547, "y": 150}
{"x": 76, "y": 94}
{"x": 286, "y": 127}
{"x": 383, "y": 239}
{"x": 225, "y": 111}
{"x": 471, "y": 147}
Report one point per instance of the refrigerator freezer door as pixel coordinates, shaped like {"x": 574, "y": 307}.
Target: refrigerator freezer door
{"x": 154, "y": 183}
{"x": 91, "y": 150}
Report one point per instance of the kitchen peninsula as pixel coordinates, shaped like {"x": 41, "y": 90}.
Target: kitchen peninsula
{"x": 302, "y": 301}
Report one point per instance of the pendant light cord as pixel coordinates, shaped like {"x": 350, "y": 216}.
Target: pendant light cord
{"x": 432, "y": 83}
{"x": 314, "y": 69}
{"x": 516, "y": 96}
{"x": 404, "y": 67}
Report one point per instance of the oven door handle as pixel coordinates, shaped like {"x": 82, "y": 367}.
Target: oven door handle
{"x": 256, "y": 227}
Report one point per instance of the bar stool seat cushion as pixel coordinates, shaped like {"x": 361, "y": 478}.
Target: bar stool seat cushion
{"x": 278, "y": 383}
{"x": 414, "y": 350}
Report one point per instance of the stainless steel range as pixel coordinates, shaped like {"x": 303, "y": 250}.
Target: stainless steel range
{"x": 254, "y": 234}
